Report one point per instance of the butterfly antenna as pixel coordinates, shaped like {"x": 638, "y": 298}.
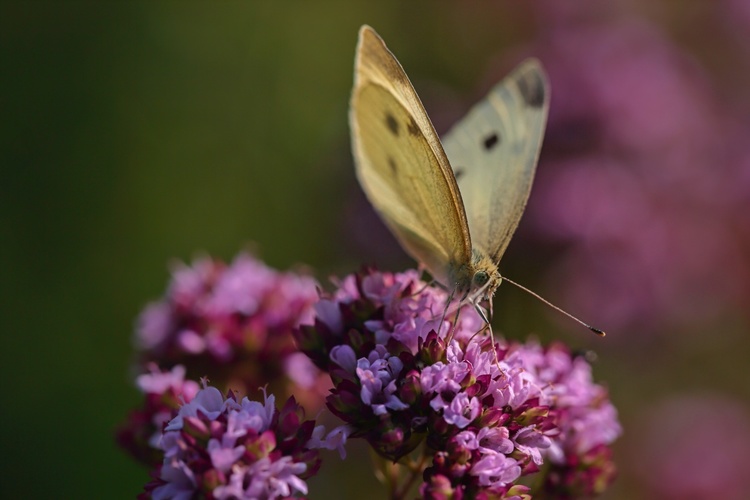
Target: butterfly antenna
{"x": 597, "y": 331}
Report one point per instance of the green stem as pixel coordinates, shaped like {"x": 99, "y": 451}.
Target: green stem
{"x": 415, "y": 469}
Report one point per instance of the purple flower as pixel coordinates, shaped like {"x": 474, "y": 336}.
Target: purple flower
{"x": 494, "y": 439}
{"x": 643, "y": 177}
{"x": 154, "y": 325}
{"x": 227, "y": 449}
{"x": 586, "y": 417}
{"x": 495, "y": 470}
{"x": 266, "y": 479}
{"x": 211, "y": 307}
{"x": 406, "y": 318}
{"x": 163, "y": 393}
{"x": 334, "y": 440}
{"x": 532, "y": 443}
{"x": 344, "y": 357}
{"x": 484, "y": 418}
{"x": 178, "y": 482}
{"x": 208, "y": 402}
{"x": 736, "y": 16}
{"x": 444, "y": 378}
{"x": 693, "y": 446}
{"x": 586, "y": 421}
{"x": 378, "y": 376}
{"x": 254, "y": 415}
{"x": 158, "y": 382}
{"x": 223, "y": 454}
{"x": 220, "y": 319}
{"x": 462, "y": 410}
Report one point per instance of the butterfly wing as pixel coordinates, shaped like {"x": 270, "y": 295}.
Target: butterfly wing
{"x": 401, "y": 164}
{"x": 494, "y": 151}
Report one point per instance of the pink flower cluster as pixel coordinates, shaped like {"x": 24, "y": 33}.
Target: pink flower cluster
{"x": 234, "y": 322}
{"x": 163, "y": 394}
{"x": 411, "y": 375}
{"x": 225, "y": 312}
{"x": 644, "y": 176}
{"x": 227, "y": 449}
{"x": 484, "y": 418}
{"x": 231, "y": 322}
{"x": 580, "y": 461}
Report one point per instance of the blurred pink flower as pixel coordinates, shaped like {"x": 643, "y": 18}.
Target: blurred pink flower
{"x": 736, "y": 17}
{"x": 232, "y": 323}
{"x": 643, "y": 178}
{"x": 694, "y": 447}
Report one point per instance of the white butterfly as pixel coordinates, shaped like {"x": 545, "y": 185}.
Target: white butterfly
{"x": 455, "y": 205}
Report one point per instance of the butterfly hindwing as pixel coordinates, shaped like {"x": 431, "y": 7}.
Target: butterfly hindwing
{"x": 494, "y": 151}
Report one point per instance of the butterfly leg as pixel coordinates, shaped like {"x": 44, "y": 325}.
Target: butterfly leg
{"x": 486, "y": 315}
{"x": 448, "y": 303}
{"x": 427, "y": 284}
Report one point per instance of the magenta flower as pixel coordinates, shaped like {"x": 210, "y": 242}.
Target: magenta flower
{"x": 578, "y": 454}
{"x": 221, "y": 448}
{"x": 163, "y": 393}
{"x": 230, "y": 322}
{"x": 586, "y": 416}
{"x": 233, "y": 322}
{"x": 643, "y": 177}
{"x": 483, "y": 418}
{"x": 461, "y": 411}
{"x": 693, "y": 446}
{"x": 378, "y": 376}
{"x": 480, "y": 419}
{"x": 494, "y": 469}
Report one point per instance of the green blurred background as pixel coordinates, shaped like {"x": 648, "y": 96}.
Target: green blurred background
{"x": 137, "y": 133}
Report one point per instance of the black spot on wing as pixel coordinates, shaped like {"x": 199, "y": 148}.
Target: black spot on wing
{"x": 491, "y": 141}
{"x": 531, "y": 87}
{"x": 392, "y": 124}
{"x": 458, "y": 172}
{"x": 413, "y": 128}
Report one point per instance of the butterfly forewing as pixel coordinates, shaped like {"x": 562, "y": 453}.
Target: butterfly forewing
{"x": 494, "y": 151}
{"x": 400, "y": 162}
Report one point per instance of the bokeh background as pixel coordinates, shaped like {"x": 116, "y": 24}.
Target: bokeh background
{"x": 138, "y": 133}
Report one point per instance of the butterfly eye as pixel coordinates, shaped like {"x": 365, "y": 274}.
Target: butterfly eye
{"x": 480, "y": 279}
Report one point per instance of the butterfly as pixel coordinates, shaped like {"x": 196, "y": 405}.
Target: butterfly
{"x": 452, "y": 205}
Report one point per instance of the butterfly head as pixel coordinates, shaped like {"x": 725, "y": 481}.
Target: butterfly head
{"x": 486, "y": 277}
{"x": 483, "y": 281}
{"x": 478, "y": 279}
